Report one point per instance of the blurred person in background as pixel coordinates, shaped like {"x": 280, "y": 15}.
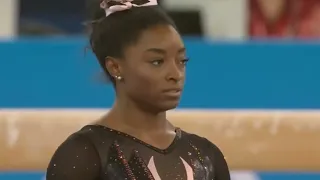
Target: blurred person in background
{"x": 53, "y": 20}
{"x": 284, "y": 18}
{"x": 143, "y": 55}
{"x": 34, "y": 28}
{"x": 50, "y": 18}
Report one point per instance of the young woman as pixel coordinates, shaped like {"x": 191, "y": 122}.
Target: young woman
{"x": 142, "y": 53}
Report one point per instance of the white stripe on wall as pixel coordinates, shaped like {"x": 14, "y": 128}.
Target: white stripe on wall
{"x": 9, "y": 18}
{"x": 223, "y": 19}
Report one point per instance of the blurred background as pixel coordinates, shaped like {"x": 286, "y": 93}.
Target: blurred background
{"x": 252, "y": 88}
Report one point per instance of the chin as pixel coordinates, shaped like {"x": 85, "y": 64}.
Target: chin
{"x": 165, "y": 106}
{"x": 158, "y": 106}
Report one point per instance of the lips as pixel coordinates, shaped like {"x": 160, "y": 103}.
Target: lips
{"x": 175, "y": 92}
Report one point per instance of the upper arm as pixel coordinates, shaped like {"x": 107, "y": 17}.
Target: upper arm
{"x": 219, "y": 162}
{"x": 75, "y": 159}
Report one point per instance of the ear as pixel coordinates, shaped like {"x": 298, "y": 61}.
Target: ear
{"x": 113, "y": 66}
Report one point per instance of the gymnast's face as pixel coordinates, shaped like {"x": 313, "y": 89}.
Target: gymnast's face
{"x": 154, "y": 69}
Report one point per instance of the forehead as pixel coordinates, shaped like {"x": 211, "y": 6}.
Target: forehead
{"x": 161, "y": 36}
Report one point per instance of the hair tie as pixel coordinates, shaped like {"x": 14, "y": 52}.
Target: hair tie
{"x": 112, "y": 6}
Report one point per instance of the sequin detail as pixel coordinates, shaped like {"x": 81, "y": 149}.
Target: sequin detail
{"x": 197, "y": 151}
{"x": 114, "y": 155}
{"x": 163, "y": 151}
{"x": 202, "y": 165}
{"x": 117, "y": 163}
{"x": 140, "y": 170}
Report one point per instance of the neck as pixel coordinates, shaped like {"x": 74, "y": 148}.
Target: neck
{"x": 126, "y": 115}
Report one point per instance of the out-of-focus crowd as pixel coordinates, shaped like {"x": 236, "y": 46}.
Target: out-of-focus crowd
{"x": 237, "y": 19}
{"x": 284, "y": 18}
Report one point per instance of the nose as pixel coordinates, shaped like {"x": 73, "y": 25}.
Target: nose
{"x": 175, "y": 72}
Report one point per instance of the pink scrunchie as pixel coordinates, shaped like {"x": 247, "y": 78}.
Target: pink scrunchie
{"x": 126, "y": 4}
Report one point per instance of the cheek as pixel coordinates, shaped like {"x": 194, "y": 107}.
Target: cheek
{"x": 142, "y": 82}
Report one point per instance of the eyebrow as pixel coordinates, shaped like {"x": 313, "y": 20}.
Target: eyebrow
{"x": 162, "y": 51}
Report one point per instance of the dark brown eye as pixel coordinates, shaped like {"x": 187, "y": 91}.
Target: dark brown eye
{"x": 184, "y": 61}
{"x": 157, "y": 62}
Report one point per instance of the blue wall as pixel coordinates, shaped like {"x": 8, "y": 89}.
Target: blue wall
{"x": 57, "y": 73}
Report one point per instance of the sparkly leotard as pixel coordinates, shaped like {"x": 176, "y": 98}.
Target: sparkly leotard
{"x": 100, "y": 153}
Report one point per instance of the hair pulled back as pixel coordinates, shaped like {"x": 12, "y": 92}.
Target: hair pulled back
{"x": 110, "y": 35}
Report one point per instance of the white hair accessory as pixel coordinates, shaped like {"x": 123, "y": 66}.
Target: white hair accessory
{"x": 112, "y": 6}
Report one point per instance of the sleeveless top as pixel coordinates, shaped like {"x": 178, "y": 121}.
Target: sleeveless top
{"x": 99, "y": 153}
